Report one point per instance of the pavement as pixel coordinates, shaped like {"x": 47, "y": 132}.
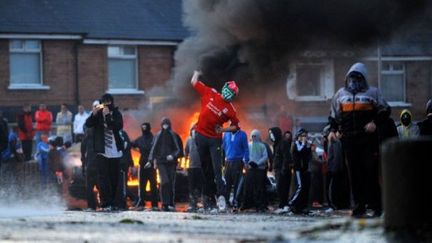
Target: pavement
{"x": 56, "y": 225}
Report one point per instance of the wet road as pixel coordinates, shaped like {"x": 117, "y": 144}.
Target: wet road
{"x": 134, "y": 226}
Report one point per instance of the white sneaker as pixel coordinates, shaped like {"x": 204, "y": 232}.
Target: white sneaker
{"x": 283, "y": 210}
{"x": 221, "y": 203}
{"x": 329, "y": 210}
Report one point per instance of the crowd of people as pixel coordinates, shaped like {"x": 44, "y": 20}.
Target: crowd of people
{"x": 228, "y": 170}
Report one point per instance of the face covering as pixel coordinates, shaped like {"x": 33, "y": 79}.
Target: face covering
{"x": 356, "y": 84}
{"x": 272, "y": 137}
{"x": 165, "y": 126}
{"x": 227, "y": 93}
{"x": 406, "y": 119}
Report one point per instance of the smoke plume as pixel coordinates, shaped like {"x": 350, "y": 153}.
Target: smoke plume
{"x": 253, "y": 41}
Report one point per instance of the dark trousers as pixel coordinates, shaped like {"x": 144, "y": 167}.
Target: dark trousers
{"x": 195, "y": 180}
{"x": 27, "y": 146}
{"x": 283, "y": 182}
{"x": 148, "y": 175}
{"x": 167, "y": 172}
{"x": 212, "y": 166}
{"x": 361, "y": 156}
{"x": 338, "y": 190}
{"x": 254, "y": 189}
{"x": 233, "y": 175}
{"x": 91, "y": 182}
{"x": 108, "y": 176}
{"x": 317, "y": 182}
{"x": 122, "y": 191}
{"x": 300, "y": 199}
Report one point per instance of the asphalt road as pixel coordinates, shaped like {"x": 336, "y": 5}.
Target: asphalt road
{"x": 56, "y": 225}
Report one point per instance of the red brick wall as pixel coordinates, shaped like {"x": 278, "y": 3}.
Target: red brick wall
{"x": 93, "y": 73}
{"x": 58, "y": 73}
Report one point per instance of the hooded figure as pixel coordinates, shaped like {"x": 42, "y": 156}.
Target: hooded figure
{"x": 407, "y": 129}
{"x": 257, "y": 151}
{"x": 356, "y": 111}
{"x": 282, "y": 162}
{"x": 107, "y": 121}
{"x": 165, "y": 152}
{"x": 254, "y": 189}
{"x": 146, "y": 173}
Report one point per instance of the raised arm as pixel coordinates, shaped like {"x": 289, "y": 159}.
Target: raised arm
{"x": 195, "y": 77}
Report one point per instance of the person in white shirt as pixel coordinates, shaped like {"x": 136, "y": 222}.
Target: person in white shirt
{"x": 78, "y": 124}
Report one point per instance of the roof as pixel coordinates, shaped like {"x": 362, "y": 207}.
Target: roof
{"x": 159, "y": 20}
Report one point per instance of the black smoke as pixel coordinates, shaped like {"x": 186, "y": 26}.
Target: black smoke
{"x": 253, "y": 41}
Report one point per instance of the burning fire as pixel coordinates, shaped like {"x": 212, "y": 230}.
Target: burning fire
{"x": 183, "y": 163}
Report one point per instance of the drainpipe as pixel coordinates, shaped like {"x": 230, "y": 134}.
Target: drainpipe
{"x": 379, "y": 55}
{"x": 77, "y": 86}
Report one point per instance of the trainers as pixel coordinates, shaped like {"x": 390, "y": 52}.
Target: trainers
{"x": 283, "y": 210}
{"x": 213, "y": 211}
{"x": 329, "y": 210}
{"x": 171, "y": 208}
{"x": 106, "y": 209}
{"x": 221, "y": 203}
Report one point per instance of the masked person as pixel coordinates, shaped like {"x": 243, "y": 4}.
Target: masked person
{"x": 406, "y": 128}
{"x": 164, "y": 154}
{"x": 302, "y": 156}
{"x": 147, "y": 173}
{"x": 195, "y": 173}
{"x": 356, "y": 111}
{"x": 107, "y": 121}
{"x": 216, "y": 109}
{"x": 254, "y": 185}
{"x": 282, "y": 164}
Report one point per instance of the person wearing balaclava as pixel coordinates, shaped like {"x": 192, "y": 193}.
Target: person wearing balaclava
{"x": 147, "y": 173}
{"x": 302, "y": 156}
{"x": 407, "y": 129}
{"x": 163, "y": 155}
{"x": 426, "y": 124}
{"x": 357, "y": 109}
{"x": 254, "y": 183}
{"x": 107, "y": 121}
{"x": 282, "y": 163}
{"x": 216, "y": 109}
{"x": 194, "y": 172}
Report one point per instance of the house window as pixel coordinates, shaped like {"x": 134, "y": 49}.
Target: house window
{"x": 311, "y": 81}
{"x": 392, "y": 82}
{"x": 122, "y": 68}
{"x": 25, "y": 63}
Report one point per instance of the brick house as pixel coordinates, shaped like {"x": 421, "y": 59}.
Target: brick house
{"x": 71, "y": 52}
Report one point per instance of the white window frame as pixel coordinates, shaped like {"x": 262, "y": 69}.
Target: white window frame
{"x": 327, "y": 81}
{"x": 40, "y": 85}
{"x": 122, "y": 55}
{"x": 392, "y": 71}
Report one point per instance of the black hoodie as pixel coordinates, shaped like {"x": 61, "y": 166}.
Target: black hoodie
{"x": 144, "y": 143}
{"x": 165, "y": 143}
{"x": 281, "y": 151}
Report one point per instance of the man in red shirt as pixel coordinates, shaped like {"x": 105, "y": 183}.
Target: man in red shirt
{"x": 43, "y": 118}
{"x": 216, "y": 109}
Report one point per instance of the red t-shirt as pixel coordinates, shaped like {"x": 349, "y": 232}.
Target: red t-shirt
{"x": 214, "y": 111}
